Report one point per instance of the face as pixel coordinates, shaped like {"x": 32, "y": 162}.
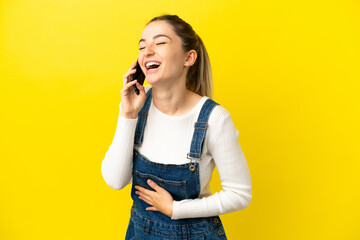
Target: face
{"x": 161, "y": 56}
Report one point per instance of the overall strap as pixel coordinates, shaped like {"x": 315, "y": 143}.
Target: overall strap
{"x": 141, "y": 122}
{"x": 200, "y": 126}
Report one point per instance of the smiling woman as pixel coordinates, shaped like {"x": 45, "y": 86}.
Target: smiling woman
{"x": 162, "y": 56}
{"x": 169, "y": 139}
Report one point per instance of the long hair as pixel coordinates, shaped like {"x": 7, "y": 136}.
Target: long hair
{"x": 199, "y": 76}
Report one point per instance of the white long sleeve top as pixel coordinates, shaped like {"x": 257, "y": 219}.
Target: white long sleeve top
{"x": 167, "y": 140}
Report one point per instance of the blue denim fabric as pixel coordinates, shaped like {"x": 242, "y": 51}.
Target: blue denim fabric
{"x": 181, "y": 181}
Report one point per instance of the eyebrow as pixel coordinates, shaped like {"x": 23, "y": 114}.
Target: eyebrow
{"x": 157, "y": 36}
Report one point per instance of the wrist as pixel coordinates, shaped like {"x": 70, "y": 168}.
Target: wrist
{"x": 170, "y": 212}
{"x": 129, "y": 115}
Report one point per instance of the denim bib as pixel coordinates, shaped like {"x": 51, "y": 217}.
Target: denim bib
{"x": 181, "y": 181}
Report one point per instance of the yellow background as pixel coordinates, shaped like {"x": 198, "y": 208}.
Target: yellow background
{"x": 287, "y": 71}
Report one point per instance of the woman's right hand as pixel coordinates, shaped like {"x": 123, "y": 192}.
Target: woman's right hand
{"x": 131, "y": 103}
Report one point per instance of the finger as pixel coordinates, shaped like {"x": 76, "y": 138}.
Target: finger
{"x": 129, "y": 84}
{"x": 144, "y": 191}
{"x": 143, "y": 195}
{"x": 131, "y": 70}
{"x": 146, "y": 200}
{"x": 126, "y": 78}
{"x": 127, "y": 88}
{"x": 151, "y": 209}
{"x": 140, "y": 87}
{"x": 132, "y": 67}
{"x": 153, "y": 185}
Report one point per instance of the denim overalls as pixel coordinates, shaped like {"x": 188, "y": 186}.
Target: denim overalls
{"x": 181, "y": 181}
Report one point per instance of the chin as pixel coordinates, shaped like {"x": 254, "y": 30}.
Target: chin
{"x": 152, "y": 80}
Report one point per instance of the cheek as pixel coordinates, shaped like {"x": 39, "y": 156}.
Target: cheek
{"x": 140, "y": 59}
{"x": 140, "y": 56}
{"x": 177, "y": 59}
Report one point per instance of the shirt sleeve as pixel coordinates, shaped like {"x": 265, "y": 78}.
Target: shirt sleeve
{"x": 116, "y": 167}
{"x": 230, "y": 161}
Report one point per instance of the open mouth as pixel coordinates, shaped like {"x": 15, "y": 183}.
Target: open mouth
{"x": 152, "y": 65}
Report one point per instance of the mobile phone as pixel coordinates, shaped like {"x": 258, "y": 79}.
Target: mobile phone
{"x": 139, "y": 76}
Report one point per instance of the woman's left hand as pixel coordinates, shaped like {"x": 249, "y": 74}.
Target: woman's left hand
{"x": 160, "y": 199}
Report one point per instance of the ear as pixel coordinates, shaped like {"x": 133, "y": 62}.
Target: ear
{"x": 190, "y": 58}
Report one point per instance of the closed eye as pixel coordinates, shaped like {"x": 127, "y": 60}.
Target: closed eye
{"x": 160, "y": 43}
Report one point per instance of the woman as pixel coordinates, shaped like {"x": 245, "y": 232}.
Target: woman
{"x": 170, "y": 137}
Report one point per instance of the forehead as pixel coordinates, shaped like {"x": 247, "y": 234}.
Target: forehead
{"x": 157, "y": 27}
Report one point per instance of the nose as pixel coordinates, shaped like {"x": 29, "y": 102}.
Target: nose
{"x": 149, "y": 50}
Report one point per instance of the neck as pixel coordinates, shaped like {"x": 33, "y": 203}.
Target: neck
{"x": 171, "y": 101}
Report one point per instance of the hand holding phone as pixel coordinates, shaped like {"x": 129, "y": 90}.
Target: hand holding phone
{"x": 139, "y": 76}
{"x": 131, "y": 103}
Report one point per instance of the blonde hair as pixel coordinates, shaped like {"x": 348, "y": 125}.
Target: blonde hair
{"x": 199, "y": 76}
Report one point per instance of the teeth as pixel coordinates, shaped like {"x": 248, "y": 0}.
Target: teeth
{"x": 152, "y": 64}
